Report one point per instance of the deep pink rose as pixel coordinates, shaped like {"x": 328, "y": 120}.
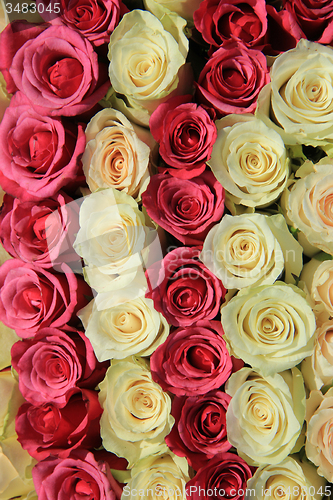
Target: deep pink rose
{"x": 48, "y": 430}
{"x": 39, "y": 155}
{"x": 32, "y": 298}
{"x": 192, "y": 360}
{"x": 228, "y": 473}
{"x": 282, "y": 33}
{"x": 315, "y": 18}
{"x": 221, "y": 21}
{"x": 76, "y": 477}
{"x": 59, "y": 73}
{"x": 183, "y": 289}
{"x": 232, "y": 78}
{"x": 53, "y": 364}
{"x": 185, "y": 208}
{"x": 186, "y": 135}
{"x": 40, "y": 232}
{"x": 200, "y": 431}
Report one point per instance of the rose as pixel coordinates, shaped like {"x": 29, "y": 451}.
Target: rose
{"x": 186, "y": 134}
{"x": 186, "y": 208}
{"x": 251, "y": 249}
{"x": 48, "y": 430}
{"x": 53, "y": 364}
{"x": 232, "y": 78}
{"x": 117, "y": 153}
{"x": 39, "y": 155}
{"x": 249, "y": 160}
{"x": 193, "y": 360}
{"x": 317, "y": 369}
{"x": 32, "y": 298}
{"x": 238, "y": 20}
{"x": 4, "y": 96}
{"x": 11, "y": 399}
{"x": 282, "y": 33}
{"x": 298, "y": 103}
{"x": 318, "y": 277}
{"x": 315, "y": 18}
{"x": 265, "y": 415}
{"x": 183, "y": 289}
{"x": 269, "y": 327}
{"x": 40, "y": 232}
{"x": 77, "y": 475}
{"x": 184, "y": 8}
{"x": 58, "y": 78}
{"x": 129, "y": 397}
{"x": 225, "y": 475}
{"x": 200, "y": 430}
{"x": 15, "y": 466}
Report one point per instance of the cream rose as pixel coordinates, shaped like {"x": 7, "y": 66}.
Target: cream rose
{"x": 269, "y": 327}
{"x": 116, "y": 154}
{"x": 184, "y": 8}
{"x": 265, "y": 415}
{"x": 136, "y": 416}
{"x": 318, "y": 277}
{"x": 11, "y": 400}
{"x": 15, "y": 467}
{"x": 251, "y": 249}
{"x": 125, "y": 328}
{"x": 318, "y": 368}
{"x": 300, "y": 95}
{"x": 249, "y": 160}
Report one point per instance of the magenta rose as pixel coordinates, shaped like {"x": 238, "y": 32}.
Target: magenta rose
{"x": 221, "y": 21}
{"x": 58, "y": 72}
{"x": 186, "y": 134}
{"x": 32, "y": 298}
{"x": 39, "y": 155}
{"x": 53, "y": 364}
{"x": 232, "y": 79}
{"x": 186, "y": 208}
{"x": 48, "y": 430}
{"x": 75, "y": 477}
{"x": 225, "y": 475}
{"x": 40, "y": 232}
{"x": 200, "y": 431}
{"x": 315, "y": 18}
{"x": 192, "y": 360}
{"x": 183, "y": 289}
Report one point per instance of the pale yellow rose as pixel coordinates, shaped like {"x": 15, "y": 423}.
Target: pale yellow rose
{"x": 249, "y": 160}
{"x": 251, "y": 249}
{"x": 11, "y": 399}
{"x": 15, "y": 470}
{"x": 265, "y": 415}
{"x": 317, "y": 369}
{"x": 318, "y": 277}
{"x": 184, "y": 8}
{"x": 136, "y": 416}
{"x": 299, "y": 98}
{"x": 269, "y": 327}
{"x": 158, "y": 476}
{"x": 8, "y": 337}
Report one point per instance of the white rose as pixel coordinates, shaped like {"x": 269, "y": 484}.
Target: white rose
{"x": 318, "y": 277}
{"x": 15, "y": 470}
{"x": 184, "y": 8}
{"x": 318, "y": 368}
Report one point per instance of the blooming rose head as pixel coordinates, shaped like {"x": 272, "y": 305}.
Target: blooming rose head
{"x": 317, "y": 369}
{"x": 183, "y": 8}
{"x": 200, "y": 430}
{"x": 265, "y": 415}
{"x": 186, "y": 208}
{"x": 183, "y": 289}
{"x": 15, "y": 466}
{"x": 39, "y": 155}
{"x": 186, "y": 134}
{"x": 318, "y": 277}
{"x": 11, "y": 399}
{"x": 282, "y": 33}
{"x": 232, "y": 78}
{"x": 269, "y": 327}
{"x": 314, "y": 17}
{"x": 249, "y": 160}
{"x": 193, "y": 360}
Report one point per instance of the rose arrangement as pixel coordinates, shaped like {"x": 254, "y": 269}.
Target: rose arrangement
{"x": 166, "y": 277}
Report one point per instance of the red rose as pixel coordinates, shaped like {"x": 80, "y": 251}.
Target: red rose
{"x": 228, "y": 473}
{"x": 183, "y": 289}
{"x": 315, "y": 18}
{"x": 48, "y": 430}
{"x": 221, "y": 21}
{"x": 282, "y": 33}
{"x": 32, "y": 298}
{"x": 39, "y": 155}
{"x": 40, "y": 232}
{"x": 185, "y": 208}
{"x": 186, "y": 134}
{"x": 192, "y": 360}
{"x": 53, "y": 364}
{"x": 232, "y": 78}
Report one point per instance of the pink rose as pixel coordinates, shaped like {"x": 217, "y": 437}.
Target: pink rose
{"x": 48, "y": 430}
{"x": 186, "y": 134}
{"x": 183, "y": 289}
{"x": 53, "y": 364}
{"x": 200, "y": 431}
{"x": 192, "y": 360}
{"x": 315, "y": 18}
{"x": 232, "y": 78}
{"x": 39, "y": 155}
{"x": 32, "y": 298}
{"x": 187, "y": 209}
{"x": 282, "y": 33}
